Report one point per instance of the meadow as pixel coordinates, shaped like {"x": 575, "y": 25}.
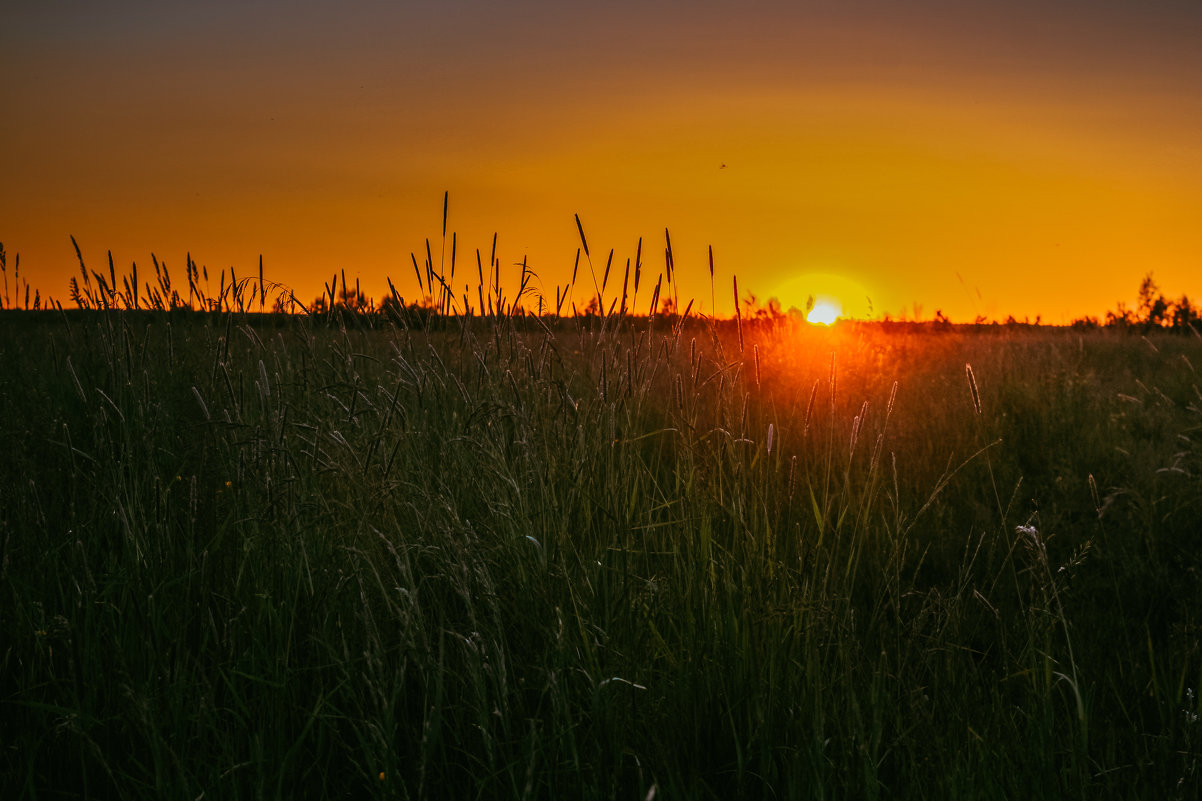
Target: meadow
{"x": 333, "y": 556}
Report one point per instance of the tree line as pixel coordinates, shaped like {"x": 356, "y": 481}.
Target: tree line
{"x": 1153, "y": 312}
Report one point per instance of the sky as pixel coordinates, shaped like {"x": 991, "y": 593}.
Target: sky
{"x": 977, "y": 158}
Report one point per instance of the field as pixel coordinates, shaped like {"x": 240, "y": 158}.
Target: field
{"x": 266, "y": 556}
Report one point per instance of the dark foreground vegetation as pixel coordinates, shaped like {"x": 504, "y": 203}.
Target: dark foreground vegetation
{"x": 504, "y": 548}
{"x": 306, "y": 557}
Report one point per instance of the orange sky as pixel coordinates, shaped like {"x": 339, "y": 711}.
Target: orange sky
{"x": 978, "y": 158}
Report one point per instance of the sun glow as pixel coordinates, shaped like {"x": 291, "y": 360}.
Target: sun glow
{"x": 824, "y": 297}
{"x": 825, "y": 311}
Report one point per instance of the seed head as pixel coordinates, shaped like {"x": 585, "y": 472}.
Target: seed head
{"x": 972, "y": 388}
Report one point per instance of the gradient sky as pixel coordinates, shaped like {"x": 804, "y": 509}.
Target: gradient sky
{"x": 1026, "y": 158}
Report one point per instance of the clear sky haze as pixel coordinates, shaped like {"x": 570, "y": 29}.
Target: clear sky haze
{"x": 981, "y": 158}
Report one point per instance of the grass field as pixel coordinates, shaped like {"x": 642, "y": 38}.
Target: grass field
{"x": 255, "y": 556}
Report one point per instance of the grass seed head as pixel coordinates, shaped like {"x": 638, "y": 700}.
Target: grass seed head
{"x": 810, "y": 405}
{"x": 972, "y": 388}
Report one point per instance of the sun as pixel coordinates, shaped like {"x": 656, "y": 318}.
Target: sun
{"x": 825, "y": 311}
{"x": 824, "y": 297}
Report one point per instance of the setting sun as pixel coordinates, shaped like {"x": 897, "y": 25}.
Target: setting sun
{"x": 825, "y": 311}
{"x": 824, "y": 296}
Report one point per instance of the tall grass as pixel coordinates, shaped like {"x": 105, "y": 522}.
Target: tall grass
{"x": 251, "y": 557}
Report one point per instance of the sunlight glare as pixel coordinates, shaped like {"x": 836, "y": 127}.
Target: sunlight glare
{"x": 825, "y": 311}
{"x": 846, "y": 296}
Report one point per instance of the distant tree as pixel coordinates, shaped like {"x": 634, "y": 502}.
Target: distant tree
{"x": 1153, "y": 308}
{"x": 1120, "y": 317}
{"x": 1184, "y": 315}
{"x": 1086, "y": 323}
{"x": 354, "y": 301}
